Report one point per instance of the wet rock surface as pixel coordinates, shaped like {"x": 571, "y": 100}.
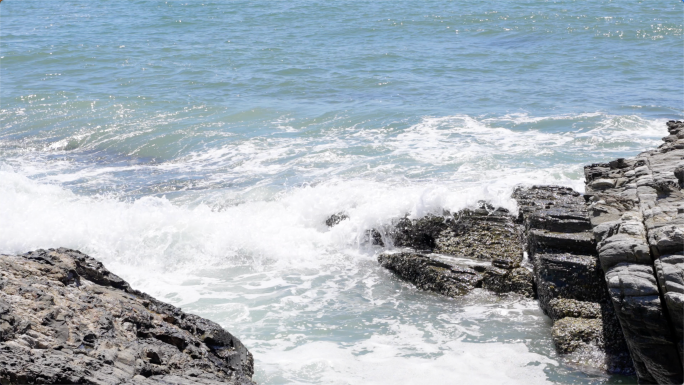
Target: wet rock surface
{"x": 607, "y": 266}
{"x": 427, "y": 272}
{"x": 453, "y": 254}
{"x": 484, "y": 233}
{"x": 64, "y": 318}
{"x": 570, "y": 285}
{"x": 563, "y": 307}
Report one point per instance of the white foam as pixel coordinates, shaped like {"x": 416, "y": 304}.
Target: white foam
{"x": 382, "y": 363}
{"x": 458, "y": 148}
{"x": 260, "y": 260}
{"x": 401, "y": 355}
{"x": 158, "y": 237}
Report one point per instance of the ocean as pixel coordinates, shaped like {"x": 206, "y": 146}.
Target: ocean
{"x": 196, "y": 148}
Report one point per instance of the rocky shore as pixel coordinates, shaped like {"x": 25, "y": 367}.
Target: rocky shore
{"x": 606, "y": 266}
{"x": 64, "y": 318}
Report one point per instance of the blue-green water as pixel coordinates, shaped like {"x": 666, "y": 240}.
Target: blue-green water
{"x": 196, "y": 148}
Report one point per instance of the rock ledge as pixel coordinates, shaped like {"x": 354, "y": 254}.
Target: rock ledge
{"x": 64, "y": 318}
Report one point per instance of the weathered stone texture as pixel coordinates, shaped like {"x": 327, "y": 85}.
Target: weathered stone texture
{"x": 670, "y": 273}
{"x": 518, "y": 280}
{"x": 570, "y": 334}
{"x": 569, "y": 280}
{"x": 563, "y": 307}
{"x": 428, "y": 273}
{"x": 454, "y": 277}
{"x": 456, "y": 253}
{"x": 64, "y": 318}
{"x": 638, "y": 226}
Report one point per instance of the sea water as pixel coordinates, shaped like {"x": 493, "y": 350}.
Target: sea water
{"x": 197, "y": 147}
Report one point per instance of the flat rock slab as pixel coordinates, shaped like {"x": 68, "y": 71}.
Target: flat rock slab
{"x": 64, "y": 318}
{"x": 430, "y": 273}
{"x": 453, "y": 277}
{"x": 580, "y": 243}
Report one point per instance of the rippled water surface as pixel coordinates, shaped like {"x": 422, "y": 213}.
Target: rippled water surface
{"x": 197, "y": 148}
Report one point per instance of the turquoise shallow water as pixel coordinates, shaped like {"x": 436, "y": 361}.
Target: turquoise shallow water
{"x": 197, "y": 147}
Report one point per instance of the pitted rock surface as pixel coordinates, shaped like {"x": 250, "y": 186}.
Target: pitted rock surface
{"x": 486, "y": 233}
{"x": 562, "y": 307}
{"x": 455, "y": 277}
{"x": 570, "y": 334}
{"x": 64, "y": 318}
{"x": 428, "y": 273}
{"x": 571, "y": 276}
{"x": 456, "y": 253}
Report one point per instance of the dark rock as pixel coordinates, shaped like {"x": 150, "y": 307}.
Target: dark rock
{"x": 555, "y": 219}
{"x": 634, "y": 292}
{"x": 568, "y": 276}
{"x": 580, "y": 242}
{"x": 585, "y": 343}
{"x": 569, "y": 281}
{"x": 518, "y": 280}
{"x": 550, "y": 207}
{"x": 480, "y": 234}
{"x": 64, "y": 318}
{"x": 419, "y": 234}
{"x": 485, "y": 241}
{"x": 373, "y": 237}
{"x": 485, "y": 233}
{"x": 456, "y": 276}
{"x": 335, "y": 219}
{"x": 428, "y": 272}
{"x": 679, "y": 174}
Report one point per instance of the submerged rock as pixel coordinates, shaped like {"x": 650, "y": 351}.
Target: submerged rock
{"x": 64, "y": 318}
{"x": 335, "y": 219}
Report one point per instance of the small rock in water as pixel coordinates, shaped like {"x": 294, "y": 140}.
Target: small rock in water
{"x": 335, "y": 219}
